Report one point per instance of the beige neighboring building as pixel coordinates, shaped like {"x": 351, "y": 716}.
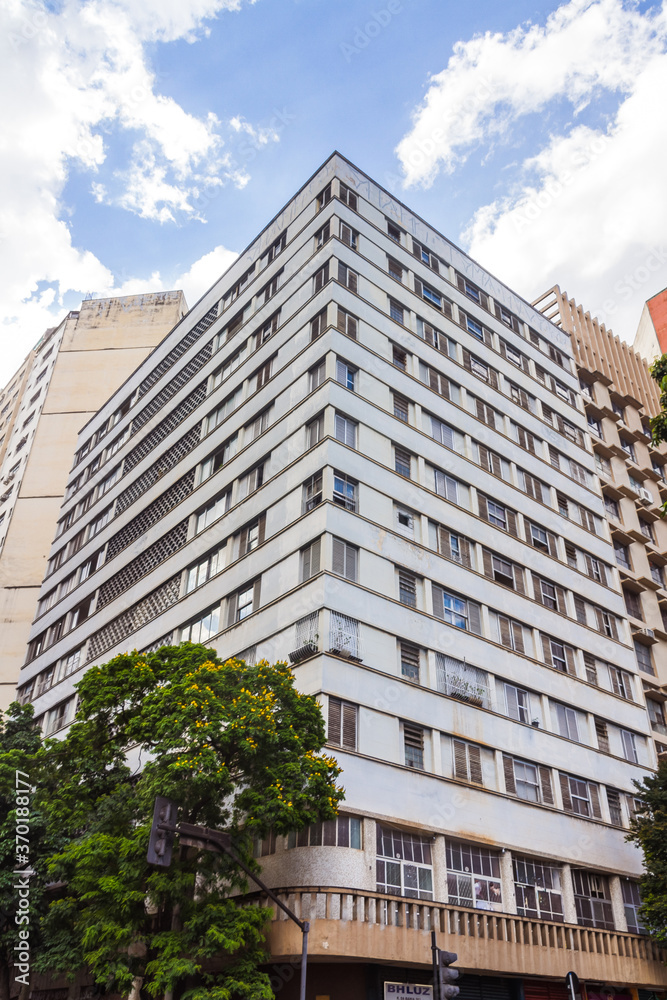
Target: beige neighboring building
{"x": 619, "y": 396}
{"x": 62, "y": 383}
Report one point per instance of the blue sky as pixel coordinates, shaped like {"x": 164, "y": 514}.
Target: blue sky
{"x": 148, "y": 141}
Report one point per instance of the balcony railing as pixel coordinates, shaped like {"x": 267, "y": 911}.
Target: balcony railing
{"x": 369, "y": 926}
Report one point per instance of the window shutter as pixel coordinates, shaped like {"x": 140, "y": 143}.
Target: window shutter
{"x": 334, "y": 720}
{"x": 433, "y": 380}
{"x": 529, "y": 484}
{"x": 352, "y": 281}
{"x": 580, "y": 609}
{"x": 438, "y": 601}
{"x": 484, "y": 299}
{"x": 592, "y": 674}
{"x": 346, "y": 234}
{"x": 545, "y": 784}
{"x": 475, "y": 760}
{"x": 595, "y": 800}
{"x": 493, "y": 378}
{"x": 504, "y": 630}
{"x": 481, "y": 411}
{"x": 314, "y": 550}
{"x": 560, "y": 600}
{"x": 340, "y": 321}
{"x": 496, "y": 465}
{"x": 488, "y": 563}
{"x": 352, "y": 327}
{"x": 339, "y": 556}
{"x": 517, "y": 633}
{"x": 614, "y": 630}
{"x": 602, "y": 734}
{"x": 603, "y": 573}
{"x": 518, "y": 579}
{"x": 231, "y": 609}
{"x": 569, "y": 659}
{"x": 261, "y": 529}
{"x": 255, "y": 594}
{"x": 474, "y": 618}
{"x": 418, "y": 287}
{"x": 537, "y": 588}
{"x": 342, "y": 273}
{"x": 444, "y": 546}
{"x": 482, "y": 505}
{"x": 467, "y": 363}
{"x": 508, "y": 768}
{"x": 599, "y": 620}
{"x": 546, "y": 649}
{"x": 464, "y": 547}
{"x": 351, "y": 567}
{"x": 416, "y": 250}
{"x": 349, "y": 734}
{"x": 552, "y": 543}
{"x": 511, "y": 523}
{"x": 460, "y": 760}
{"x": 484, "y": 457}
{"x": 501, "y": 343}
{"x": 460, "y": 282}
{"x": 565, "y": 792}
{"x": 243, "y": 544}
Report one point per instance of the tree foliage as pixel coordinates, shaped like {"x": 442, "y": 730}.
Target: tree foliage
{"x": 649, "y": 831}
{"x": 239, "y": 749}
{"x": 658, "y": 372}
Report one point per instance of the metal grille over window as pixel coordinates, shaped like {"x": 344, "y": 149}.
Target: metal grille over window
{"x": 151, "y": 514}
{"x": 342, "y": 727}
{"x": 538, "y": 890}
{"x": 190, "y": 338}
{"x": 407, "y": 588}
{"x": 164, "y": 395}
{"x": 410, "y": 660}
{"x": 147, "y": 561}
{"x": 165, "y": 427}
{"x": 473, "y": 876}
{"x": 344, "y": 636}
{"x": 592, "y": 899}
{"x": 413, "y": 740}
{"x": 142, "y": 612}
{"x": 404, "y": 864}
{"x": 154, "y": 472}
{"x": 461, "y": 680}
{"x": 306, "y": 637}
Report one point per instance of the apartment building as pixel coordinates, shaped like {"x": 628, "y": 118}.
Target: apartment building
{"x": 619, "y": 397}
{"x": 651, "y": 336}
{"x": 70, "y": 373}
{"x": 365, "y": 455}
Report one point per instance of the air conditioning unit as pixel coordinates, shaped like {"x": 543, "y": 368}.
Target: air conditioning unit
{"x": 308, "y": 649}
{"x": 645, "y": 495}
{"x": 648, "y": 633}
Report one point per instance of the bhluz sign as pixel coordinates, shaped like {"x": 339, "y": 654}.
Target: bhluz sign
{"x": 392, "y": 991}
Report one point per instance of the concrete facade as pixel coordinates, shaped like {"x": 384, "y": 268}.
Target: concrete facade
{"x": 363, "y": 454}
{"x": 73, "y": 369}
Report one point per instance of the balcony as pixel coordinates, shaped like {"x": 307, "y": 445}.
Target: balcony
{"x": 368, "y": 926}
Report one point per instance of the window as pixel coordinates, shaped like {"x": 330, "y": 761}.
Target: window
{"x": 449, "y": 544}
{"x": 324, "y": 197}
{"x": 621, "y": 683}
{"x": 533, "y": 487}
{"x": 276, "y": 248}
{"x": 631, "y": 904}
{"x": 213, "y": 510}
{"x": 344, "y": 636}
{"x": 252, "y": 535}
{"x": 629, "y": 746}
{"x": 404, "y": 864}
{"x": 310, "y": 559}
{"x": 315, "y": 431}
{"x": 262, "y": 375}
{"x": 517, "y": 701}
{"x": 542, "y": 539}
{"x": 595, "y": 425}
{"x": 407, "y": 588}
{"x": 318, "y": 325}
{"x": 425, "y": 256}
{"x": 349, "y": 236}
{"x": 222, "y": 412}
{"x": 348, "y": 277}
{"x": 633, "y": 604}
{"x": 345, "y": 374}
{"x": 252, "y": 480}
{"x": 342, "y": 724}
{"x": 264, "y": 846}
{"x": 229, "y": 366}
{"x": 656, "y": 716}
{"x": 629, "y": 448}
{"x": 258, "y": 425}
{"x": 467, "y": 762}
{"x": 203, "y": 570}
{"x": 538, "y": 890}
{"x": 497, "y": 514}
{"x": 90, "y": 565}
{"x": 526, "y": 780}
{"x": 503, "y": 571}
{"x": 312, "y": 492}
{"x": 622, "y": 554}
{"x": 612, "y": 509}
{"x": 243, "y": 603}
{"x": 549, "y": 595}
{"x": 473, "y": 876}
{"x": 603, "y": 465}
{"x": 461, "y": 680}
{"x": 345, "y": 559}
{"x": 347, "y": 323}
{"x": 410, "y": 657}
{"x": 393, "y": 232}
{"x": 647, "y": 530}
{"x": 395, "y": 268}
{"x": 485, "y": 413}
{"x": 592, "y": 899}
{"x": 579, "y": 796}
{"x": 344, "y": 831}
{"x": 60, "y": 716}
{"x": 413, "y": 746}
{"x": 473, "y": 327}
{"x": 270, "y": 289}
{"x": 323, "y": 235}
{"x": 525, "y": 439}
{"x": 399, "y": 358}
{"x": 203, "y": 627}
{"x": 567, "y": 721}
{"x": 316, "y": 376}
{"x": 657, "y": 574}
{"x": 345, "y": 491}
{"x": 558, "y": 655}
{"x": 220, "y": 457}
{"x": 345, "y": 430}
{"x": 396, "y": 311}
{"x": 509, "y": 633}
{"x": 402, "y": 461}
{"x": 348, "y": 196}
{"x": 401, "y": 407}
{"x": 268, "y": 328}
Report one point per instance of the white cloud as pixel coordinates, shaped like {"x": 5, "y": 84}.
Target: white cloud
{"x": 586, "y": 211}
{"x": 204, "y": 272}
{"x": 74, "y": 80}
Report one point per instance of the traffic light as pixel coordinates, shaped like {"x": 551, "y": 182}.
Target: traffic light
{"x": 447, "y": 975}
{"x": 162, "y": 841}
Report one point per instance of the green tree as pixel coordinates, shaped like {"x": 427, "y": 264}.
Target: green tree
{"x": 20, "y": 744}
{"x": 649, "y": 831}
{"x": 658, "y": 371}
{"x": 239, "y": 749}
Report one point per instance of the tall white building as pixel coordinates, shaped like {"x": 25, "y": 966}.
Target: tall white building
{"x": 362, "y": 452}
